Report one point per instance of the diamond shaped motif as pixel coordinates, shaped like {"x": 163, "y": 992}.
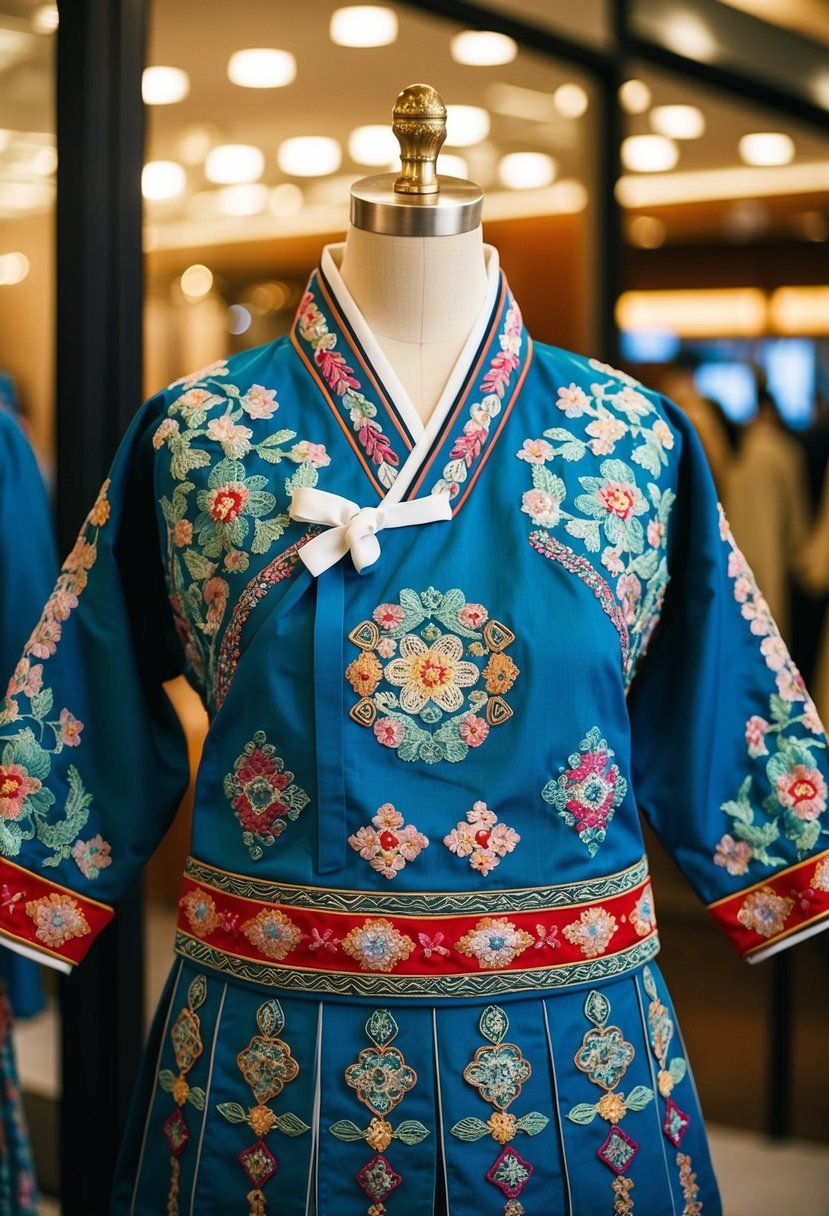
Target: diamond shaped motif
{"x": 366, "y": 635}
{"x": 510, "y": 1172}
{"x": 676, "y": 1122}
{"x": 258, "y": 1163}
{"x": 177, "y": 1132}
{"x": 618, "y": 1150}
{"x": 378, "y": 1179}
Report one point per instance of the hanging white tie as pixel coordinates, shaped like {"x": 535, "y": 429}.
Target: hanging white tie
{"x": 353, "y": 528}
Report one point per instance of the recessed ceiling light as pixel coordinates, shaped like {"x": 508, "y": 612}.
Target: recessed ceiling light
{"x": 466, "y": 125}
{"x": 46, "y": 19}
{"x": 309, "y": 156}
{"x": 373, "y": 145}
{"x": 13, "y": 269}
{"x": 261, "y": 67}
{"x": 482, "y": 48}
{"x": 526, "y": 170}
{"x": 363, "y": 25}
{"x": 634, "y": 96}
{"x": 570, "y": 100}
{"x": 767, "y": 148}
{"x": 649, "y": 153}
{"x": 196, "y": 281}
{"x": 163, "y": 86}
{"x": 162, "y": 179}
{"x": 230, "y": 164}
{"x": 678, "y": 122}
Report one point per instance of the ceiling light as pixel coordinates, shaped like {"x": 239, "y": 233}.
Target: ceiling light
{"x": 150, "y": 238}
{"x": 707, "y": 185}
{"x": 162, "y": 179}
{"x": 162, "y": 86}
{"x": 482, "y": 48}
{"x": 373, "y": 145}
{"x": 309, "y": 156}
{"x": 646, "y": 231}
{"x": 452, "y": 166}
{"x": 526, "y": 170}
{"x": 570, "y": 100}
{"x": 285, "y": 200}
{"x": 261, "y": 67}
{"x": 688, "y": 35}
{"x": 800, "y": 310}
{"x": 634, "y": 96}
{"x": 230, "y": 164}
{"x": 695, "y": 313}
{"x": 196, "y": 281}
{"x": 678, "y": 122}
{"x": 238, "y": 319}
{"x": 26, "y": 196}
{"x": 466, "y": 125}
{"x": 767, "y": 148}
{"x": 363, "y": 25}
{"x": 13, "y": 269}
{"x": 649, "y": 153}
{"x": 243, "y": 200}
{"x": 45, "y": 19}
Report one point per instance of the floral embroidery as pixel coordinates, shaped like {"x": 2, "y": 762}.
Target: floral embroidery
{"x": 58, "y": 919}
{"x": 91, "y": 856}
{"x": 643, "y": 916}
{"x": 377, "y": 945}
{"x": 200, "y": 909}
{"x": 592, "y": 931}
{"x": 498, "y": 1072}
{"x": 622, "y": 1201}
{"x": 389, "y": 844}
{"x": 468, "y": 446}
{"x": 797, "y": 789}
{"x": 273, "y": 933}
{"x": 262, "y": 794}
{"x": 618, "y": 1150}
{"x": 340, "y": 378}
{"x": 482, "y": 839}
{"x": 671, "y": 1072}
{"x": 494, "y": 942}
{"x": 267, "y": 1066}
{"x": 432, "y": 669}
{"x": 588, "y": 793}
{"x": 381, "y": 1078}
{"x": 820, "y": 881}
{"x": 185, "y": 1037}
{"x": 688, "y": 1182}
{"x": 765, "y": 912}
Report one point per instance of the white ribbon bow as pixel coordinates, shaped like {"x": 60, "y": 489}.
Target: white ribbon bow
{"x": 354, "y": 528}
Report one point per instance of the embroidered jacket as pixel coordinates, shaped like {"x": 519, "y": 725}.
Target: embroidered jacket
{"x": 417, "y": 874}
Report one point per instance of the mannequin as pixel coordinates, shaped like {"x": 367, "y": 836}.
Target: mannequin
{"x": 414, "y": 259}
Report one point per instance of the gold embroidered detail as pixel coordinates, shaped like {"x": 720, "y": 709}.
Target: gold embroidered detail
{"x": 186, "y": 1039}
{"x": 364, "y": 674}
{"x": 688, "y": 1182}
{"x": 273, "y": 933}
{"x": 622, "y": 1200}
{"x": 592, "y": 931}
{"x": 200, "y": 910}
{"x": 500, "y": 673}
{"x": 377, "y": 945}
{"x": 58, "y": 919}
{"x": 363, "y": 713}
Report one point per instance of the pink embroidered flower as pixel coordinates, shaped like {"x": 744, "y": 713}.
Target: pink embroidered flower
{"x": 27, "y": 679}
{"x": 542, "y": 507}
{"x": 592, "y": 931}
{"x": 612, "y": 561}
{"x": 183, "y": 533}
{"x": 495, "y": 942}
{"x": 215, "y": 592}
{"x": 811, "y": 718}
{"x": 734, "y": 855}
{"x": 656, "y": 533}
{"x": 803, "y": 790}
{"x": 62, "y": 603}
{"x": 618, "y": 498}
{"x": 236, "y": 559}
{"x": 790, "y": 684}
{"x": 15, "y": 786}
{"x": 388, "y": 616}
{"x": 92, "y": 856}
{"x": 737, "y": 564}
{"x": 473, "y": 730}
{"x": 629, "y": 591}
{"x": 196, "y": 401}
{"x": 632, "y": 401}
{"x": 535, "y": 451}
{"x": 606, "y": 430}
{"x": 386, "y": 647}
{"x": 57, "y": 919}
{"x": 482, "y": 839}
{"x": 743, "y": 589}
{"x": 757, "y": 612}
{"x": 260, "y": 402}
{"x": 325, "y": 941}
{"x": 773, "y": 650}
{"x": 432, "y": 945}
{"x": 234, "y": 439}
{"x": 547, "y": 938}
{"x": 44, "y": 641}
{"x": 227, "y": 502}
{"x": 473, "y": 616}
{"x": 765, "y": 912}
{"x": 315, "y": 453}
{"x": 389, "y": 731}
{"x": 70, "y": 729}
{"x": 389, "y": 844}
{"x": 663, "y": 433}
{"x": 163, "y": 432}
{"x": 756, "y": 728}
{"x": 573, "y": 400}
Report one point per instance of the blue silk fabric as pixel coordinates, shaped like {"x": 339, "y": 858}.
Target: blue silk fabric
{"x": 416, "y": 937}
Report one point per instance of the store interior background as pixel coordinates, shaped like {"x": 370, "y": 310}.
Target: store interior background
{"x": 719, "y": 263}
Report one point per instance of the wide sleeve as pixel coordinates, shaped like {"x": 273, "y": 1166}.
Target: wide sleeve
{"x": 729, "y": 755}
{"x": 93, "y": 762}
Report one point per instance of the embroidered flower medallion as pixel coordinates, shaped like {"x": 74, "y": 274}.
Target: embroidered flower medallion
{"x": 57, "y": 919}
{"x": 494, "y": 942}
{"x": 643, "y": 916}
{"x": 273, "y": 933}
{"x": 765, "y": 912}
{"x": 498, "y": 1073}
{"x": 443, "y": 679}
{"x": 390, "y": 843}
{"x": 200, "y": 909}
{"x": 378, "y": 1179}
{"x": 587, "y": 794}
{"x": 262, "y": 794}
{"x": 592, "y": 931}
{"x": 377, "y": 945}
{"x": 482, "y": 839}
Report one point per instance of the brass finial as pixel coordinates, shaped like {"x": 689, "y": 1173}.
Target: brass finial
{"x": 420, "y": 126}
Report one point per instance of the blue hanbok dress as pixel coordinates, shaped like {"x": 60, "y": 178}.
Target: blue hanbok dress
{"x": 445, "y": 666}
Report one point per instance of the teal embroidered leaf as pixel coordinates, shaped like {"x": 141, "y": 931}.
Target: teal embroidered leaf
{"x": 597, "y": 1008}
{"x": 494, "y": 1023}
{"x": 276, "y": 437}
{"x": 305, "y": 475}
{"x": 650, "y": 986}
{"x": 232, "y": 1111}
{"x": 198, "y": 566}
{"x": 266, "y": 531}
{"x": 11, "y": 839}
{"x": 639, "y": 1098}
{"x": 650, "y": 455}
{"x": 470, "y": 1129}
{"x": 62, "y": 835}
{"x": 411, "y": 1132}
{"x": 757, "y": 837}
{"x": 196, "y": 1098}
{"x": 270, "y": 1019}
{"x": 197, "y": 992}
{"x": 414, "y": 612}
{"x": 294, "y": 799}
{"x": 41, "y": 703}
{"x": 780, "y": 710}
{"x": 587, "y": 530}
{"x": 646, "y": 564}
{"x": 291, "y": 1125}
{"x": 533, "y": 1123}
{"x": 345, "y": 1130}
{"x": 584, "y": 1113}
{"x": 543, "y": 479}
{"x": 183, "y": 459}
{"x": 166, "y": 1080}
{"x": 381, "y": 1027}
{"x": 677, "y": 1068}
{"x": 805, "y": 835}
